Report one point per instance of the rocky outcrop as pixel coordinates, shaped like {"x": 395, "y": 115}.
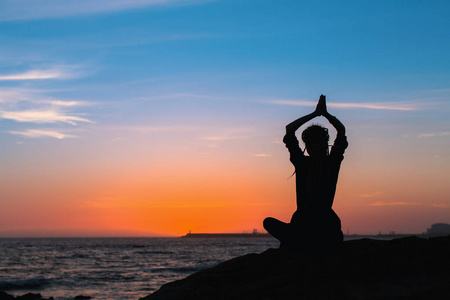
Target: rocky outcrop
{"x": 29, "y": 296}
{"x": 33, "y": 296}
{"x": 405, "y": 268}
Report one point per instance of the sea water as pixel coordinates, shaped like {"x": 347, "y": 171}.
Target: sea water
{"x": 111, "y": 268}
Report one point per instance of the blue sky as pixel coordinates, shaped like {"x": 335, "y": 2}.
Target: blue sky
{"x": 114, "y": 51}
{"x": 125, "y": 79}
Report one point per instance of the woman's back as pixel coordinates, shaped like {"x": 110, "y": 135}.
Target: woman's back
{"x": 314, "y": 226}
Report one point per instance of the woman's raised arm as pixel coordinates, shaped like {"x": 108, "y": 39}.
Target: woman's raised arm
{"x": 292, "y": 127}
{"x": 340, "y": 128}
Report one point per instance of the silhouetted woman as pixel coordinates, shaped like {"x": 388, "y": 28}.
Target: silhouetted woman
{"x": 314, "y": 226}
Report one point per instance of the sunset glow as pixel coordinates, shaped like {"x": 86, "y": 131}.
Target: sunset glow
{"x": 153, "y": 118}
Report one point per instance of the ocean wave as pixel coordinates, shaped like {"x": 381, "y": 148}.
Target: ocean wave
{"x": 154, "y": 252}
{"x": 189, "y": 269}
{"x": 78, "y": 255}
{"x": 20, "y": 284}
{"x": 107, "y": 267}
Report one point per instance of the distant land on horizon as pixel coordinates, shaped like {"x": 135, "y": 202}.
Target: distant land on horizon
{"x": 437, "y": 229}
{"x": 266, "y": 235}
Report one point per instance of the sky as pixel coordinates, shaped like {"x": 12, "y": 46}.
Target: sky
{"x": 156, "y": 117}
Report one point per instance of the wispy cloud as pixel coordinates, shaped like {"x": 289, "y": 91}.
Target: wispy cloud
{"x": 426, "y": 135}
{"x": 144, "y": 129}
{"x": 35, "y": 97}
{"x": 61, "y": 72}
{"x": 439, "y": 205}
{"x": 224, "y": 138}
{"x": 35, "y": 133}
{"x": 66, "y": 103}
{"x": 30, "y": 9}
{"x": 14, "y": 95}
{"x": 41, "y": 116}
{"x": 175, "y": 96}
{"x": 369, "y": 195}
{"x": 380, "y": 106}
{"x": 263, "y": 155}
{"x": 126, "y": 40}
{"x": 34, "y": 106}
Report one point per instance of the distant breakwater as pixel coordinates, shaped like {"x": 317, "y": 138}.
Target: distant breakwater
{"x": 266, "y": 235}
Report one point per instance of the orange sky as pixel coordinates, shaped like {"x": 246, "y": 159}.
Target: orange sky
{"x": 124, "y": 189}
{"x": 159, "y": 117}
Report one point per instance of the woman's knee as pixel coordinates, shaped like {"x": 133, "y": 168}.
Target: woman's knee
{"x": 272, "y": 225}
{"x": 267, "y": 223}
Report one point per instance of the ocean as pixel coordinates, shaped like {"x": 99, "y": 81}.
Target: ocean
{"x": 111, "y": 268}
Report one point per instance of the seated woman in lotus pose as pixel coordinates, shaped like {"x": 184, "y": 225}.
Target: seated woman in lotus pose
{"x": 314, "y": 226}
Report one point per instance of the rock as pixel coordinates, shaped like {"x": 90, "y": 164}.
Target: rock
{"x": 409, "y": 268}
{"x": 5, "y": 296}
{"x": 29, "y": 296}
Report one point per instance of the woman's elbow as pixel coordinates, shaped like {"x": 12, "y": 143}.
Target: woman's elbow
{"x": 341, "y": 130}
{"x": 289, "y": 129}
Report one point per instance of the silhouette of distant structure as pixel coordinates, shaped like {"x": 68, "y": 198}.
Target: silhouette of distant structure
{"x": 439, "y": 229}
{"x": 254, "y": 233}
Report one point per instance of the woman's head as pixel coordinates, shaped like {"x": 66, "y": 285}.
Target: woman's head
{"x": 316, "y": 140}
